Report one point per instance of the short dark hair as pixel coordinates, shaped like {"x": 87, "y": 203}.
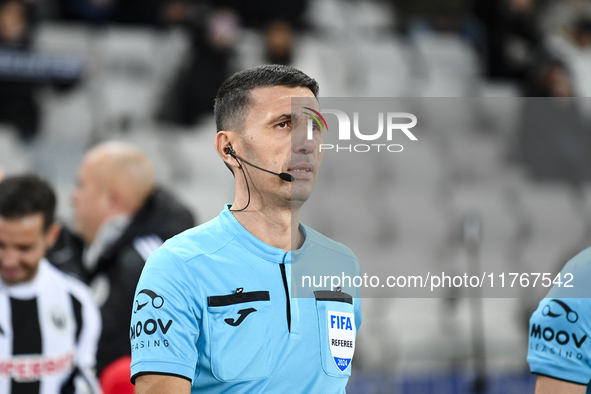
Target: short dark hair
{"x": 233, "y": 98}
{"x": 26, "y": 195}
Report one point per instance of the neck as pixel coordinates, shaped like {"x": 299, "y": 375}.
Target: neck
{"x": 272, "y": 219}
{"x": 275, "y": 227}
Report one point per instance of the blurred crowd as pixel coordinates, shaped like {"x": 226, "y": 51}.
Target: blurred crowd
{"x": 543, "y": 47}
{"x": 213, "y": 28}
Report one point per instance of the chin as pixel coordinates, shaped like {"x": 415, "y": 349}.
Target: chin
{"x": 298, "y": 199}
{"x": 12, "y": 281}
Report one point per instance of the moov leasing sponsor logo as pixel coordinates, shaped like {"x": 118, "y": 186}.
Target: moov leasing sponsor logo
{"x": 151, "y": 326}
{"x": 554, "y": 337}
{"x": 561, "y": 308}
{"x": 157, "y": 327}
{"x": 394, "y": 123}
{"x": 155, "y": 300}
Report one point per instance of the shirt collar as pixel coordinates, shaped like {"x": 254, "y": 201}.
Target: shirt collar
{"x": 252, "y": 243}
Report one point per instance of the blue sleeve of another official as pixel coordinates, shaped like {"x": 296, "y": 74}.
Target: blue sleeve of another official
{"x": 559, "y": 339}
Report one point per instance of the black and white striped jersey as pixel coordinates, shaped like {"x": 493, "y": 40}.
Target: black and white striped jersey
{"x": 49, "y": 330}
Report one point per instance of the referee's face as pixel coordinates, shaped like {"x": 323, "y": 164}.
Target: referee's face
{"x": 23, "y": 242}
{"x": 274, "y": 138}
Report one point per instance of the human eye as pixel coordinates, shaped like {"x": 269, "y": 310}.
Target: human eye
{"x": 284, "y": 125}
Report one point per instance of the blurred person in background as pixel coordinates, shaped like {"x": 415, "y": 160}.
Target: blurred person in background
{"x": 121, "y": 216}
{"x": 49, "y": 323}
{"x": 582, "y": 32}
{"x": 87, "y": 10}
{"x": 550, "y": 78}
{"x": 215, "y": 28}
{"x": 557, "y": 17}
{"x": 127, "y": 12}
{"x": 442, "y": 15}
{"x": 279, "y": 21}
{"x": 573, "y": 48}
{"x": 511, "y": 39}
{"x": 554, "y": 141}
{"x": 18, "y": 105}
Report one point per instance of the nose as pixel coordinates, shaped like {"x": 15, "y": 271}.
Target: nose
{"x": 300, "y": 142}
{"x": 8, "y": 258}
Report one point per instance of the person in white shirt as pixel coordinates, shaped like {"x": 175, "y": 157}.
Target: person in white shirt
{"x": 49, "y": 324}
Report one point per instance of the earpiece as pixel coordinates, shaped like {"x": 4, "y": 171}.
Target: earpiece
{"x": 284, "y": 176}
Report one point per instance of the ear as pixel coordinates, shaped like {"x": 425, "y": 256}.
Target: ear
{"x": 224, "y": 139}
{"x": 52, "y": 234}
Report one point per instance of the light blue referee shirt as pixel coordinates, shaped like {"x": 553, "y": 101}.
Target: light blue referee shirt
{"x": 214, "y": 306}
{"x": 560, "y": 329}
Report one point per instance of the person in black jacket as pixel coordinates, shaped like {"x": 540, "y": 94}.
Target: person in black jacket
{"x": 121, "y": 216}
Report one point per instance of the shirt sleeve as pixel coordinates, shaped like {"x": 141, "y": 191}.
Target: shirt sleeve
{"x": 164, "y": 319}
{"x": 559, "y": 343}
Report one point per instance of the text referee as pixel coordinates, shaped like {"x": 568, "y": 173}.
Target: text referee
{"x": 214, "y": 311}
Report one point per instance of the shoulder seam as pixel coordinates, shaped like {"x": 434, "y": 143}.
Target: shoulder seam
{"x": 352, "y": 255}
{"x": 192, "y": 257}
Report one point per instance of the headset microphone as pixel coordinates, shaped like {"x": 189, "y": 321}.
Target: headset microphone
{"x": 284, "y": 175}
{"x": 229, "y": 151}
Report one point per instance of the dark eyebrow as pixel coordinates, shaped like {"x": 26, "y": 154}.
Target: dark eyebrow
{"x": 280, "y": 118}
{"x": 25, "y": 246}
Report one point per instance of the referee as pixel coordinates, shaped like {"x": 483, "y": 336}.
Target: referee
{"x": 214, "y": 311}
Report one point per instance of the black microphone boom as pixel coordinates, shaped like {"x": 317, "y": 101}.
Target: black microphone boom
{"x": 284, "y": 175}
